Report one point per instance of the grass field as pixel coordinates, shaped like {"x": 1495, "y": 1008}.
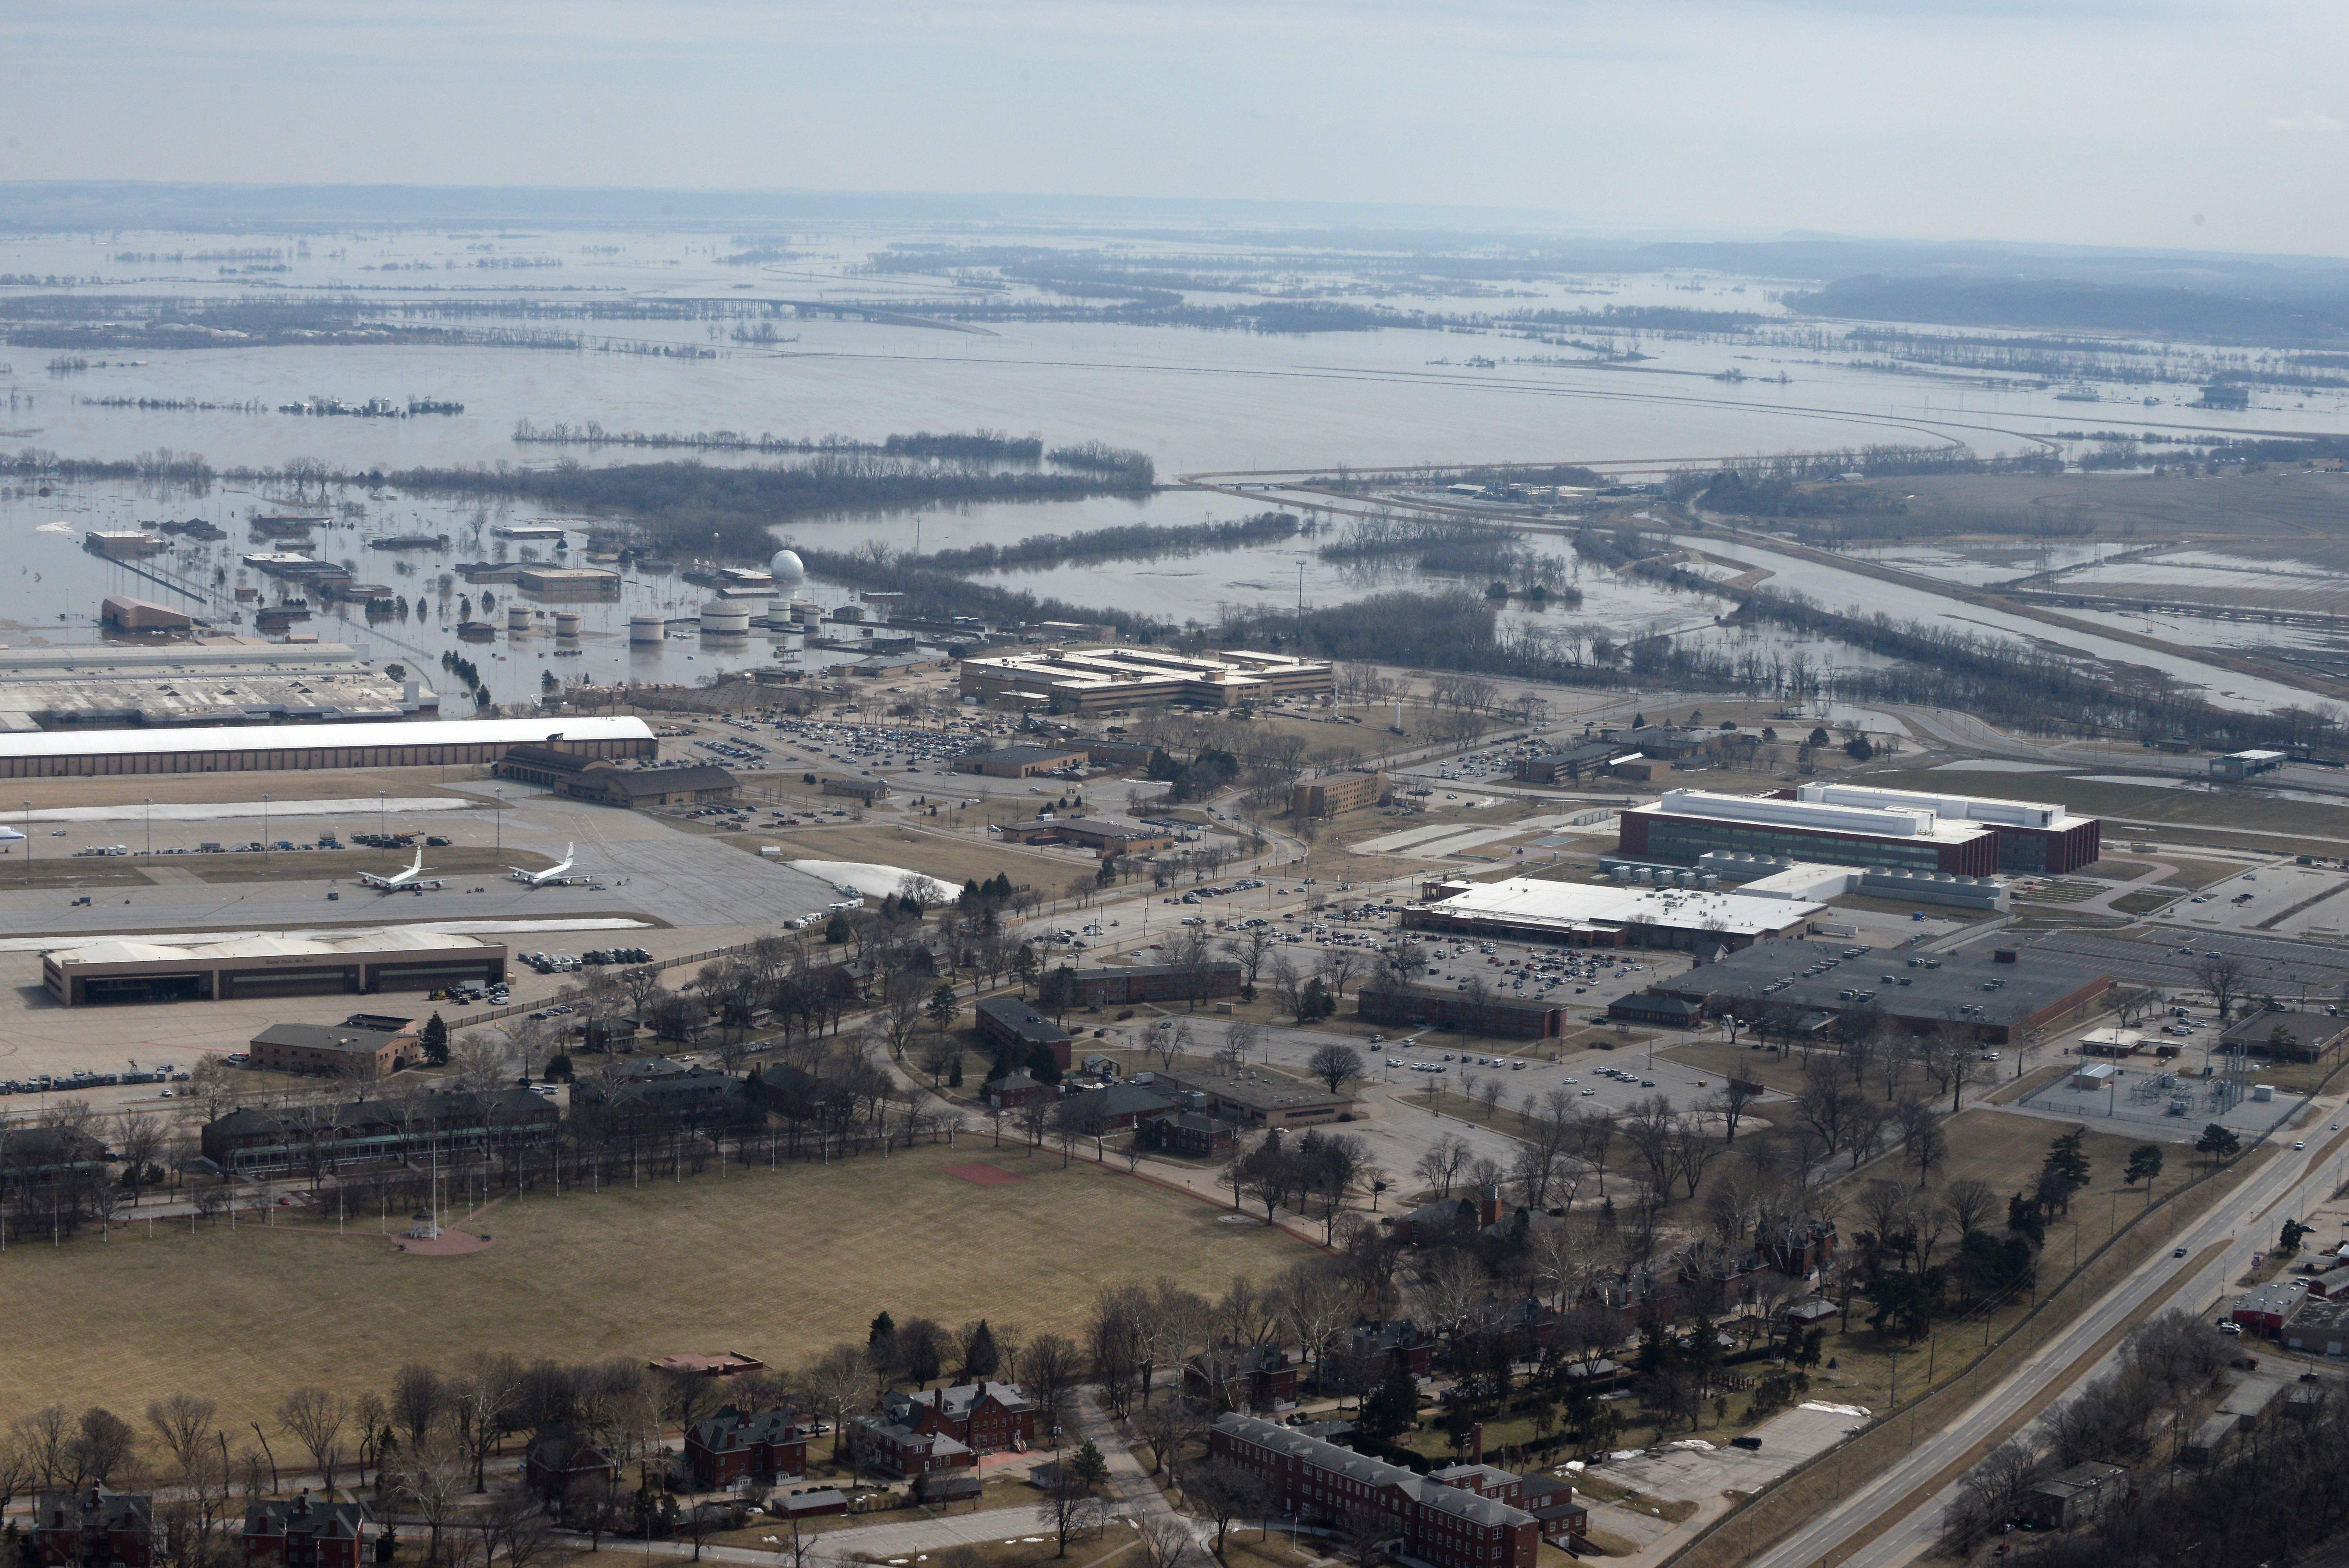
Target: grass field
{"x": 775, "y": 1264}
{"x": 949, "y": 857}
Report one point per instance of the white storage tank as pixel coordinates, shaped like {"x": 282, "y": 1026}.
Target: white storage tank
{"x": 517, "y": 618}
{"x": 721, "y": 619}
{"x": 566, "y": 623}
{"x": 647, "y": 629}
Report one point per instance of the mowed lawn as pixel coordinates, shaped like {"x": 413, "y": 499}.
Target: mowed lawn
{"x": 775, "y": 1264}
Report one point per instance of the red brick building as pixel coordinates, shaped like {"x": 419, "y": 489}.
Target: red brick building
{"x": 1381, "y": 1345}
{"x": 901, "y": 1450}
{"x": 97, "y": 1529}
{"x": 305, "y": 1534}
{"x": 560, "y": 1465}
{"x": 1449, "y": 1523}
{"x": 1263, "y": 1378}
{"x": 987, "y": 1416}
{"x": 768, "y": 1446}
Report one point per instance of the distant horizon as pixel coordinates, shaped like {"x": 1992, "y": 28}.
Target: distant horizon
{"x": 848, "y": 204}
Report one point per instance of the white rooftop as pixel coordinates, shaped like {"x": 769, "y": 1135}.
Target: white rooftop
{"x": 1565, "y": 905}
{"x": 1958, "y": 807}
{"x": 131, "y": 950}
{"x": 1911, "y": 819}
{"x": 317, "y": 737}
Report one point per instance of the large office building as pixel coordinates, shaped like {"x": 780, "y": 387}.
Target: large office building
{"x": 126, "y": 969}
{"x": 2001, "y": 997}
{"x": 1581, "y": 914}
{"x": 1855, "y": 825}
{"x": 2035, "y": 837}
{"x": 214, "y": 748}
{"x": 1687, "y": 824}
{"x": 1094, "y": 680}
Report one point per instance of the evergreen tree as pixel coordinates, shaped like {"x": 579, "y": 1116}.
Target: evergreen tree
{"x": 884, "y": 1332}
{"x": 941, "y": 1009}
{"x": 1393, "y": 1405}
{"x": 980, "y": 1359}
{"x": 435, "y": 1041}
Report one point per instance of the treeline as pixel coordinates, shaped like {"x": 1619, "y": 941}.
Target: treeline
{"x": 160, "y": 463}
{"x": 1502, "y": 476}
{"x": 931, "y": 594}
{"x": 977, "y": 446}
{"x": 1099, "y": 457}
{"x": 1462, "y": 549}
{"x": 2279, "y": 1496}
{"x": 2084, "y": 306}
{"x": 73, "y": 321}
{"x": 1638, "y": 318}
{"x": 1131, "y": 541}
{"x": 701, "y": 509}
{"x": 1289, "y": 317}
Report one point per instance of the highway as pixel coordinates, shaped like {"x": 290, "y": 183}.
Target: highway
{"x": 2289, "y": 1186}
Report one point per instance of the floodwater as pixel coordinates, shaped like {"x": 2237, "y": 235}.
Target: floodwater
{"x": 1196, "y": 400}
{"x": 1839, "y": 589}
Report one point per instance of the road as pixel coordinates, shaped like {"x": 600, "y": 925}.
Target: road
{"x": 2289, "y": 1185}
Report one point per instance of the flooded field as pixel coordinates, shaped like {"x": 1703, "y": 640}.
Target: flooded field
{"x": 745, "y": 346}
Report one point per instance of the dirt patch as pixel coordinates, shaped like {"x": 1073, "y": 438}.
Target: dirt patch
{"x": 980, "y": 1175}
{"x": 954, "y": 858}
{"x": 447, "y": 1244}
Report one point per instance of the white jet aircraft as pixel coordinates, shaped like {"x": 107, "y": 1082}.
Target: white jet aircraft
{"x": 555, "y": 875}
{"x": 401, "y": 881}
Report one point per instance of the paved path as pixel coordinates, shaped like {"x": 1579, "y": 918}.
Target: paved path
{"x": 1135, "y": 1493}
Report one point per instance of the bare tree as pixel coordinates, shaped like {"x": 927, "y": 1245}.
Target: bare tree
{"x": 419, "y": 1397}
{"x": 1729, "y": 1105}
{"x": 1336, "y": 1064}
{"x": 835, "y": 1384}
{"x": 1226, "y": 1493}
{"x": 316, "y": 1417}
{"x": 1440, "y": 1164}
{"x": 2221, "y": 974}
{"x": 1338, "y": 967}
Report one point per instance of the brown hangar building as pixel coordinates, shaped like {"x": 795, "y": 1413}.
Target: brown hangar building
{"x": 119, "y": 969}
{"x": 263, "y": 748}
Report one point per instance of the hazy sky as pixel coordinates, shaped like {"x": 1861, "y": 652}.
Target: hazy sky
{"x": 2222, "y": 124}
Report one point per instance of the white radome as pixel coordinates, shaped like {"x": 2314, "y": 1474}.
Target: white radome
{"x": 787, "y": 568}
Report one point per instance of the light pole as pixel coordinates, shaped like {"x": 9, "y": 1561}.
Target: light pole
{"x": 498, "y": 819}
{"x": 150, "y": 827}
{"x": 29, "y": 844}
{"x": 265, "y": 830}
